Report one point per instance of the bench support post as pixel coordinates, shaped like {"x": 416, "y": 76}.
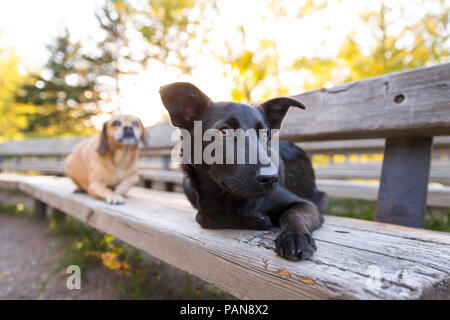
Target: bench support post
{"x": 40, "y": 209}
{"x": 404, "y": 181}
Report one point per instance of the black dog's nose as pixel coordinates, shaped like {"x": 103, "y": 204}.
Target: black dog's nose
{"x": 267, "y": 179}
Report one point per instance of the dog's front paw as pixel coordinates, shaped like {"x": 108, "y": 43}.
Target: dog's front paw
{"x": 295, "y": 245}
{"x": 115, "y": 199}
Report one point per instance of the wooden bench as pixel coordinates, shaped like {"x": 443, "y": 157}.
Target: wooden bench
{"x": 355, "y": 259}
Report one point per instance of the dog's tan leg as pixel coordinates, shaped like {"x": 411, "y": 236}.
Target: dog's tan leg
{"x": 126, "y": 184}
{"x": 100, "y": 191}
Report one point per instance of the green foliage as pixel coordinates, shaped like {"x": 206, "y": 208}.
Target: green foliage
{"x": 250, "y": 69}
{"x": 418, "y": 44}
{"x": 435, "y": 218}
{"x": 113, "y": 56}
{"x": 170, "y": 27}
{"x": 76, "y": 82}
{"x": 136, "y": 279}
{"x": 63, "y": 97}
{"x": 89, "y": 246}
{"x": 11, "y": 121}
{"x": 15, "y": 209}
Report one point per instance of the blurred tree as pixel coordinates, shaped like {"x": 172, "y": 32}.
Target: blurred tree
{"x": 77, "y": 80}
{"x": 11, "y": 122}
{"x": 113, "y": 57}
{"x": 252, "y": 70}
{"x": 174, "y": 29}
{"x": 419, "y": 43}
{"x": 63, "y": 97}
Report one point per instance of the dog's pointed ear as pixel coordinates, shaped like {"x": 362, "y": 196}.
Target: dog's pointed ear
{"x": 104, "y": 145}
{"x": 274, "y": 110}
{"x": 185, "y": 103}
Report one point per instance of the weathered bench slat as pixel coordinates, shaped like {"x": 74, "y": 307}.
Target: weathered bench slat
{"x": 360, "y": 146}
{"x": 371, "y": 173}
{"x": 392, "y": 230}
{"x": 409, "y": 103}
{"x": 45, "y": 166}
{"x": 39, "y": 146}
{"x": 350, "y": 252}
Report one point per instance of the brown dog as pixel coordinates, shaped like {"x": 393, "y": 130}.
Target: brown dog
{"x": 105, "y": 165}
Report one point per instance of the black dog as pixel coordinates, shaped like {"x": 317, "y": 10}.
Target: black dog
{"x": 238, "y": 195}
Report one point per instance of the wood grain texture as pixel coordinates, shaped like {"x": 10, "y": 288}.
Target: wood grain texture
{"x": 366, "y": 109}
{"x": 355, "y": 259}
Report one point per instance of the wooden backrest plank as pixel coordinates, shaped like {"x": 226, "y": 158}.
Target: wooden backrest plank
{"x": 410, "y": 103}
{"x": 39, "y": 146}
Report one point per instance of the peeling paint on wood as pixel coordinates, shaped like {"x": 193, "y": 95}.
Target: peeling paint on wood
{"x": 284, "y": 272}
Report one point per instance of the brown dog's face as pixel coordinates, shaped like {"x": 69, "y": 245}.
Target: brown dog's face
{"x": 122, "y": 130}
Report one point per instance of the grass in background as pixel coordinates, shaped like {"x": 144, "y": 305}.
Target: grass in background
{"x": 15, "y": 209}
{"x": 138, "y": 279}
{"x": 437, "y": 219}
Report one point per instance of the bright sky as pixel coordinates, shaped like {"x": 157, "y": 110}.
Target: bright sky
{"x": 28, "y": 25}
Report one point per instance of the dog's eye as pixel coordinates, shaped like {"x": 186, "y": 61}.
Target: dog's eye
{"x": 135, "y": 123}
{"x": 116, "y": 123}
{"x": 224, "y": 132}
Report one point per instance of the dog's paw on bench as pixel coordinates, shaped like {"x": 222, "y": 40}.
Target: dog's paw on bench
{"x": 115, "y": 199}
{"x": 295, "y": 245}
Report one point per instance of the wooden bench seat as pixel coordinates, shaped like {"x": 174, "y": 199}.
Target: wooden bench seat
{"x": 355, "y": 259}
{"x": 369, "y": 172}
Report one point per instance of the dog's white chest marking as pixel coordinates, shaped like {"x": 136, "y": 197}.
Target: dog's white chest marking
{"x": 122, "y": 164}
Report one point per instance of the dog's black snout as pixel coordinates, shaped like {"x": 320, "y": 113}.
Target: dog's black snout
{"x": 128, "y": 130}
{"x": 267, "y": 179}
